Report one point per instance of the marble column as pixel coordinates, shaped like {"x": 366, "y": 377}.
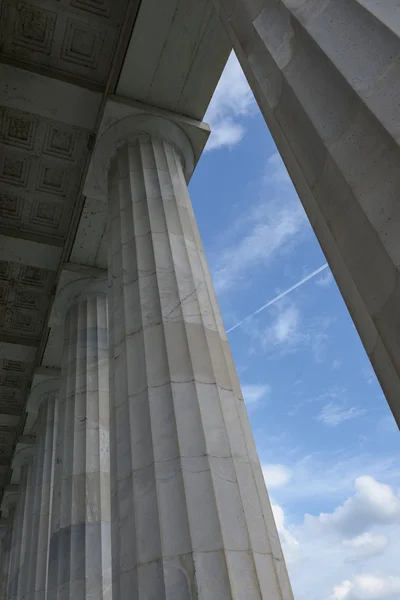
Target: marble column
{"x": 22, "y": 525}
{"x": 326, "y": 76}
{"x": 44, "y": 395}
{"x": 191, "y": 518}
{"x": 80, "y": 559}
{"x": 6, "y": 537}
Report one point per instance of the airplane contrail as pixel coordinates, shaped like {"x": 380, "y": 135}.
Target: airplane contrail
{"x": 294, "y": 287}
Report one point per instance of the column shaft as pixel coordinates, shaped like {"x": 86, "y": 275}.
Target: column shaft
{"x": 326, "y": 76}
{"x": 41, "y": 500}
{"x": 191, "y": 516}
{"x": 19, "y": 534}
{"x": 5, "y": 556}
{"x": 80, "y": 559}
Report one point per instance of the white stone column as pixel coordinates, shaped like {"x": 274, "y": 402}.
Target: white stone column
{"x": 326, "y": 76}
{"x": 44, "y": 398}
{"x": 191, "y": 517}
{"x": 22, "y": 525}
{"x": 80, "y": 559}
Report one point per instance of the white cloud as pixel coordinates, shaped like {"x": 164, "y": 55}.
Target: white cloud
{"x": 368, "y": 587}
{"x": 253, "y": 394}
{"x": 327, "y": 562}
{"x": 276, "y": 475}
{"x": 284, "y": 328}
{"x": 289, "y": 541}
{"x": 276, "y": 170}
{"x": 325, "y": 280}
{"x": 232, "y": 100}
{"x": 373, "y": 503}
{"x": 265, "y": 232}
{"x": 333, "y": 414}
{"x": 270, "y": 226}
{"x": 365, "y": 545}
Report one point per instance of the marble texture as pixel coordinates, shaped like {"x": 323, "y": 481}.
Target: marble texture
{"x": 191, "y": 518}
{"x": 326, "y": 76}
{"x": 38, "y": 551}
{"x": 21, "y": 527}
{"x": 79, "y": 554}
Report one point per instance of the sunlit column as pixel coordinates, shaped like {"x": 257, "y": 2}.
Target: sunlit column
{"x": 191, "y": 516}
{"x": 326, "y": 76}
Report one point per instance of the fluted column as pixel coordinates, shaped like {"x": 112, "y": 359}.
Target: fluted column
{"x": 80, "y": 559}
{"x": 44, "y": 395}
{"x": 191, "y": 517}
{"x": 326, "y": 76}
{"x": 21, "y": 527}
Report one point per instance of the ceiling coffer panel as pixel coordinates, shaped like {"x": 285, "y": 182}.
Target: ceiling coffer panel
{"x": 71, "y": 37}
{"x": 40, "y": 170}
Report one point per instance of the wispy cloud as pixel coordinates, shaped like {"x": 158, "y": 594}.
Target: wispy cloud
{"x": 334, "y": 414}
{"x": 269, "y": 226}
{"x": 232, "y": 100}
{"x": 325, "y": 280}
{"x": 289, "y": 331}
{"x": 276, "y": 475}
{"x": 284, "y": 328}
{"x": 254, "y": 394}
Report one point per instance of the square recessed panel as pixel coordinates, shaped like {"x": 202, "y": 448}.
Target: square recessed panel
{"x": 60, "y": 142}
{"x": 14, "y": 169}
{"x": 27, "y": 299}
{"x": 11, "y": 207}
{"x": 34, "y": 27}
{"x": 11, "y": 379}
{"x": 23, "y": 321}
{"x": 18, "y": 129}
{"x": 82, "y": 44}
{"x": 33, "y": 276}
{"x": 98, "y": 7}
{"x": 52, "y": 179}
{"x": 46, "y": 213}
{"x": 14, "y": 365}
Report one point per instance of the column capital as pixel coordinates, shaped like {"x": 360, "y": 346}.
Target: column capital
{"x": 131, "y": 128}
{"x": 71, "y": 291}
{"x": 8, "y": 504}
{"x": 41, "y": 392}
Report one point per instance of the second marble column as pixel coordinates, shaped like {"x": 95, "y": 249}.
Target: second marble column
{"x": 80, "y": 552}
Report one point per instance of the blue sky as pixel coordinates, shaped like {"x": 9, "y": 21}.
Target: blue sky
{"x": 326, "y": 438}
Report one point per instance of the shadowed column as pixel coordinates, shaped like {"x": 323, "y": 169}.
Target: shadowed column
{"x": 5, "y": 557}
{"x": 326, "y": 75}
{"x": 45, "y": 395}
{"x": 191, "y": 517}
{"x": 22, "y": 525}
{"x": 80, "y": 559}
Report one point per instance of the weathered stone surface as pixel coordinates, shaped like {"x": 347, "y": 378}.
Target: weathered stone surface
{"x": 21, "y": 530}
{"x": 191, "y": 516}
{"x": 80, "y": 549}
{"x": 40, "y": 510}
{"x": 326, "y": 75}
